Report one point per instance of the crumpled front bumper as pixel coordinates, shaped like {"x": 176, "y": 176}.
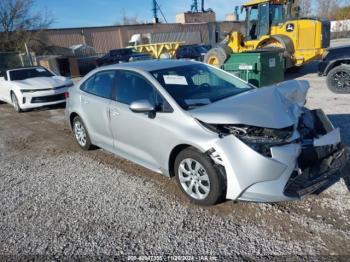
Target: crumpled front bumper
{"x": 302, "y": 167}
{"x": 319, "y": 168}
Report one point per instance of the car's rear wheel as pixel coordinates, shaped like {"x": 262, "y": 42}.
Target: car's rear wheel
{"x": 198, "y": 178}
{"x": 338, "y": 79}
{"x": 81, "y": 134}
{"x": 15, "y": 103}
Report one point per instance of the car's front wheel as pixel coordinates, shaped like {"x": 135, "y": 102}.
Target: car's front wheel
{"x": 338, "y": 79}
{"x": 15, "y": 103}
{"x": 198, "y": 178}
{"x": 81, "y": 134}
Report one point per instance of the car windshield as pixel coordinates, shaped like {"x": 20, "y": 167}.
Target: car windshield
{"x": 198, "y": 85}
{"x": 22, "y": 74}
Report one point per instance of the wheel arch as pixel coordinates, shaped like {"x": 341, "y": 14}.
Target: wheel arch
{"x": 335, "y": 63}
{"x": 284, "y": 40}
{"x": 71, "y": 118}
{"x": 177, "y": 149}
{"x": 173, "y": 154}
{"x": 12, "y": 92}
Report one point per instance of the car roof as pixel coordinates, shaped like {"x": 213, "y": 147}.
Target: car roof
{"x": 151, "y": 65}
{"x": 190, "y": 45}
{"x": 121, "y": 49}
{"x": 24, "y": 67}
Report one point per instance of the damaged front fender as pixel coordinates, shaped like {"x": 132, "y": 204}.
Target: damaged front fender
{"x": 244, "y": 166}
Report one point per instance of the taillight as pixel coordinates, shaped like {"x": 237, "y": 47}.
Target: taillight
{"x": 66, "y": 94}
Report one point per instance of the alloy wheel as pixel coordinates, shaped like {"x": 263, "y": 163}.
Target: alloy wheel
{"x": 80, "y": 133}
{"x": 194, "y": 179}
{"x": 15, "y": 102}
{"x": 341, "y": 80}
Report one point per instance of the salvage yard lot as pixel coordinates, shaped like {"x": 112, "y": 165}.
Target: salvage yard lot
{"x": 58, "y": 200}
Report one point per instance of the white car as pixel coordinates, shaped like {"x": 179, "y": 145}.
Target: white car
{"x": 32, "y": 87}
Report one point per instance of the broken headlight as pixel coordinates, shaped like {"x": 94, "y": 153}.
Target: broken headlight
{"x": 258, "y": 138}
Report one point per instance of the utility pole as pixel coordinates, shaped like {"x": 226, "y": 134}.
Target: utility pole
{"x": 155, "y": 12}
{"x": 155, "y": 9}
{"x": 28, "y": 54}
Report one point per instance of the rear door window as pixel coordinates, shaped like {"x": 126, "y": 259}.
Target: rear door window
{"x": 101, "y": 84}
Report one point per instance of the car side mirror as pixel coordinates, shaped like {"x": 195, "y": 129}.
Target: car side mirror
{"x": 142, "y": 106}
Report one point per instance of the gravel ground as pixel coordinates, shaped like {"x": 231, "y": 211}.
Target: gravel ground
{"x": 58, "y": 201}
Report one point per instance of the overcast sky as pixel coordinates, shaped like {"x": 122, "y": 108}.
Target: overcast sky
{"x": 81, "y": 13}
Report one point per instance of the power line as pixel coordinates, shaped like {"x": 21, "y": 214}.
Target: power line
{"x": 161, "y": 12}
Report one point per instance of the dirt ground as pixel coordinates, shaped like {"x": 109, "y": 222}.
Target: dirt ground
{"x": 56, "y": 200}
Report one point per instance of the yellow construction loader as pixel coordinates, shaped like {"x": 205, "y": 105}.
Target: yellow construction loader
{"x": 275, "y": 24}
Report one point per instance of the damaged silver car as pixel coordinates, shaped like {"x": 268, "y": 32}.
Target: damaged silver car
{"x": 220, "y": 137}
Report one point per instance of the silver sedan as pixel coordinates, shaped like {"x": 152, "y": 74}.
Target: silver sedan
{"x": 220, "y": 137}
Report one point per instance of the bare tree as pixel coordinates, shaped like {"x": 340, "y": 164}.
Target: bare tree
{"x": 342, "y": 13}
{"x": 19, "y": 24}
{"x": 305, "y": 8}
{"x": 326, "y": 8}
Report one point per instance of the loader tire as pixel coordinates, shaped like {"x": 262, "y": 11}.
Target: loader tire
{"x": 216, "y": 57}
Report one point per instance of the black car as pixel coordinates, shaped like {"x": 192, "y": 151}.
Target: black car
{"x": 336, "y": 66}
{"x": 195, "y": 52}
{"x": 122, "y": 55}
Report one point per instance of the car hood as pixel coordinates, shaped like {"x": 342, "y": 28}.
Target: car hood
{"x": 42, "y": 82}
{"x": 338, "y": 52}
{"x": 340, "y": 48}
{"x": 277, "y": 107}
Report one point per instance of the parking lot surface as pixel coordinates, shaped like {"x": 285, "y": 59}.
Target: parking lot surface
{"x": 59, "y": 201}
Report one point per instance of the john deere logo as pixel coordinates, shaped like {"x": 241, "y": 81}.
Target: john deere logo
{"x": 290, "y": 27}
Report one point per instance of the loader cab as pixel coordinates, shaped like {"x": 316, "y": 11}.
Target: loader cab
{"x": 260, "y": 17}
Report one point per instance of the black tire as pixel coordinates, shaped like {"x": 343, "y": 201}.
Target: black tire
{"x": 216, "y": 56}
{"x": 15, "y": 103}
{"x": 216, "y": 191}
{"x": 338, "y": 79}
{"x": 87, "y": 144}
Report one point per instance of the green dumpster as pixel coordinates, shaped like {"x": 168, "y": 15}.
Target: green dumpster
{"x": 259, "y": 68}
